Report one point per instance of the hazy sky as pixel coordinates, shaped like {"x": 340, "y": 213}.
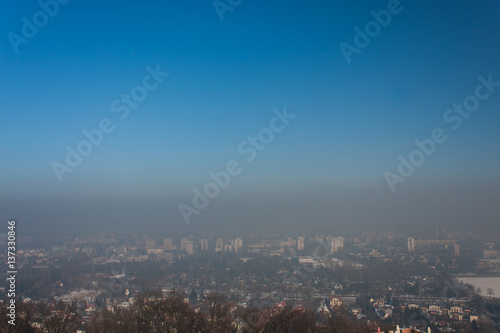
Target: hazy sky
{"x": 323, "y": 171}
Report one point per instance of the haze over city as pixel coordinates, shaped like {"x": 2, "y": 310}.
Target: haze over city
{"x": 236, "y": 166}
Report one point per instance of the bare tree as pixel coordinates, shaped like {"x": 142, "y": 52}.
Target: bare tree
{"x": 288, "y": 320}
{"x": 218, "y": 311}
{"x": 61, "y": 319}
{"x": 120, "y": 321}
{"x": 338, "y": 322}
{"x": 252, "y": 318}
{"x": 171, "y": 314}
{"x": 22, "y": 319}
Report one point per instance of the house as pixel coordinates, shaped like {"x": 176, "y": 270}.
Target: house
{"x": 323, "y": 308}
{"x": 406, "y": 330}
{"x": 335, "y": 302}
{"x": 434, "y": 309}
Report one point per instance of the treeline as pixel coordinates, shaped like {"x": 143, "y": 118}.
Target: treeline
{"x": 154, "y": 313}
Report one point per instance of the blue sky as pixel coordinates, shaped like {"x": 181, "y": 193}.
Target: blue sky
{"x": 353, "y": 120}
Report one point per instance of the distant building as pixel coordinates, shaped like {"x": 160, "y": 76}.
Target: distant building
{"x": 184, "y": 242}
{"x": 435, "y": 309}
{"x": 189, "y": 247}
{"x": 155, "y": 251}
{"x": 434, "y": 242}
{"x": 121, "y": 250}
{"x": 411, "y": 244}
{"x": 204, "y": 244}
{"x": 335, "y": 302}
{"x": 490, "y": 254}
{"x": 238, "y": 245}
{"x": 336, "y": 244}
{"x": 300, "y": 243}
{"x": 323, "y": 309}
{"x": 167, "y": 244}
{"x": 150, "y": 244}
{"x": 288, "y": 243}
{"x": 457, "y": 250}
{"x": 219, "y": 245}
{"x": 340, "y": 242}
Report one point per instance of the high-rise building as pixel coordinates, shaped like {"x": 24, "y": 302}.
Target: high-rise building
{"x": 333, "y": 245}
{"x": 150, "y": 244}
{"x": 300, "y": 243}
{"x": 219, "y": 245}
{"x": 340, "y": 241}
{"x": 457, "y": 250}
{"x": 411, "y": 244}
{"x": 184, "y": 242}
{"x": 167, "y": 244}
{"x": 290, "y": 242}
{"x": 336, "y": 244}
{"x": 204, "y": 244}
{"x": 238, "y": 245}
{"x": 189, "y": 247}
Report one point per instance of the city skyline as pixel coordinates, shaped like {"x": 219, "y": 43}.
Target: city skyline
{"x": 250, "y": 166}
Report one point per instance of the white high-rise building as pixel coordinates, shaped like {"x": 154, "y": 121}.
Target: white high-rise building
{"x": 340, "y": 242}
{"x": 238, "y": 245}
{"x": 189, "y": 247}
{"x": 167, "y": 244}
{"x": 184, "y": 242}
{"x": 333, "y": 245}
{"x": 300, "y": 243}
{"x": 204, "y": 244}
{"x": 150, "y": 244}
{"x": 336, "y": 244}
{"x": 411, "y": 244}
{"x": 219, "y": 245}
